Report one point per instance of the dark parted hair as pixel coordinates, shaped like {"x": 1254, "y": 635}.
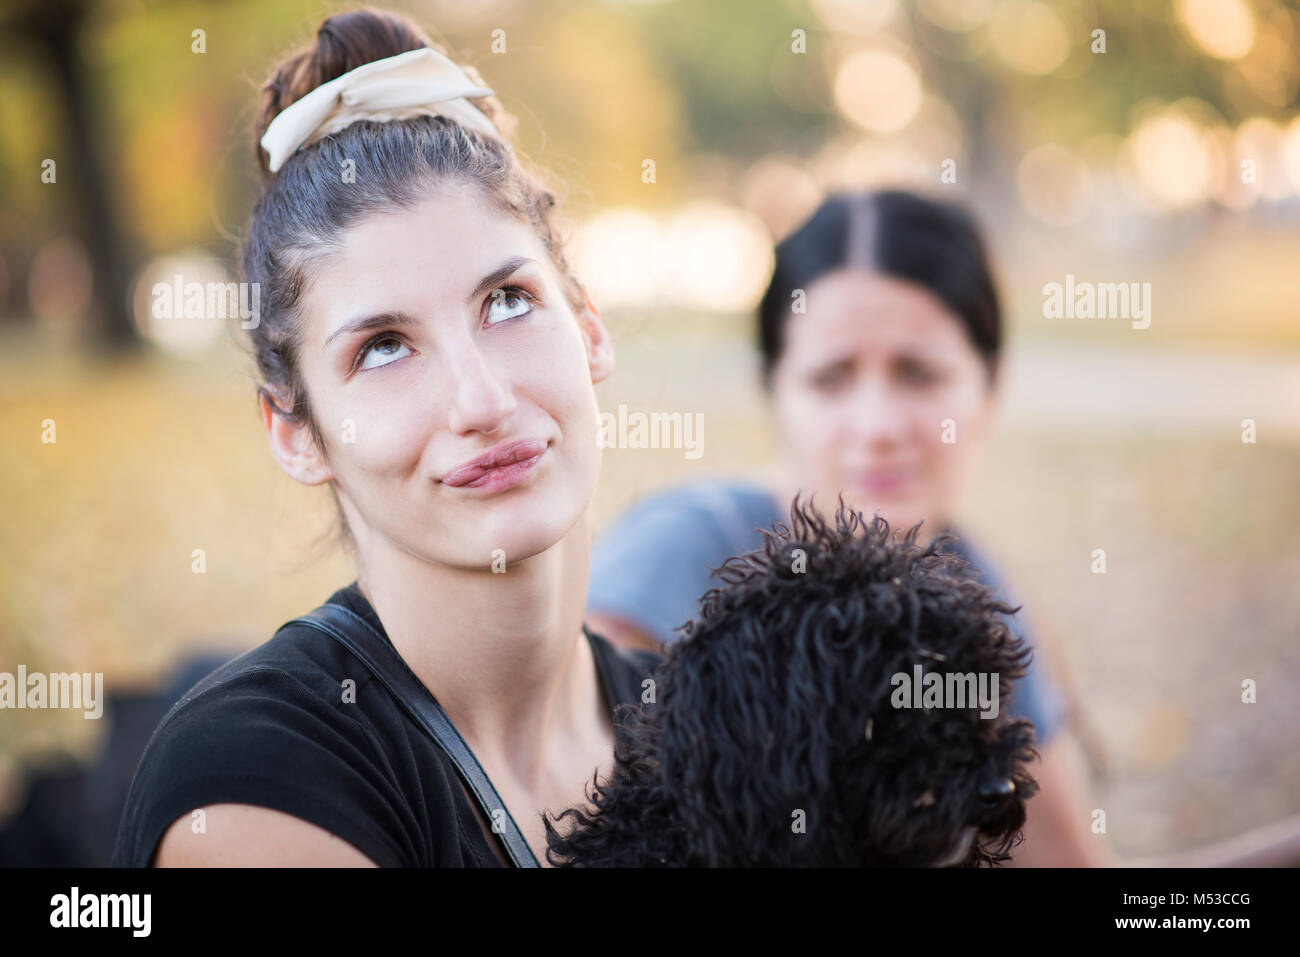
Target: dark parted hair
{"x": 932, "y": 243}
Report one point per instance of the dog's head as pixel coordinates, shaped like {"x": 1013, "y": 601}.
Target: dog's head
{"x": 784, "y": 730}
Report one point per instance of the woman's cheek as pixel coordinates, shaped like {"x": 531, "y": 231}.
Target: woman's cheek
{"x": 824, "y": 443}
{"x": 383, "y": 438}
{"x": 552, "y": 374}
{"x": 956, "y": 436}
{"x": 815, "y": 421}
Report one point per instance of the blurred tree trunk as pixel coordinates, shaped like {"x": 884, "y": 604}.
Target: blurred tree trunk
{"x": 55, "y": 26}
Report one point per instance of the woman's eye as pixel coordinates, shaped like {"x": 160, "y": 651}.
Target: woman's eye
{"x": 508, "y": 302}
{"x": 917, "y": 373}
{"x": 830, "y": 379}
{"x": 381, "y": 351}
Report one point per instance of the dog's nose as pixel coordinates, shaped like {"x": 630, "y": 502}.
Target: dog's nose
{"x": 993, "y": 791}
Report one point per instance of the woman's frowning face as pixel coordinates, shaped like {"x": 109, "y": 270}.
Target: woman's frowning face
{"x": 452, "y": 383}
{"x": 879, "y": 393}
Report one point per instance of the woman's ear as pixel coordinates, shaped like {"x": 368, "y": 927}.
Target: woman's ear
{"x": 292, "y": 444}
{"x": 600, "y": 350}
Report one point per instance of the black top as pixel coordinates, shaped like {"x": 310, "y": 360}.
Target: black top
{"x": 272, "y": 729}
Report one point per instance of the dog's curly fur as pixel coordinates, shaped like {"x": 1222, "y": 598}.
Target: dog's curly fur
{"x": 777, "y": 701}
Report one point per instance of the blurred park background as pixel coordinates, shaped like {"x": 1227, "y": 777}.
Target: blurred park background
{"x": 1165, "y": 149}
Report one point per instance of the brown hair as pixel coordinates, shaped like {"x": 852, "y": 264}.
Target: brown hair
{"x": 306, "y": 204}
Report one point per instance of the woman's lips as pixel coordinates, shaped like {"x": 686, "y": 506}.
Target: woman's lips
{"x": 498, "y": 468}
{"x": 888, "y": 481}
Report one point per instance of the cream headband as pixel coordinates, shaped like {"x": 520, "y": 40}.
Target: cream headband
{"x": 416, "y": 83}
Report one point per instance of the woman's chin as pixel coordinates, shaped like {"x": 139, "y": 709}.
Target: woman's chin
{"x": 516, "y": 534}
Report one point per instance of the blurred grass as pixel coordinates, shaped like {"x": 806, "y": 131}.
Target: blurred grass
{"x": 154, "y": 458}
{"x": 1199, "y": 594}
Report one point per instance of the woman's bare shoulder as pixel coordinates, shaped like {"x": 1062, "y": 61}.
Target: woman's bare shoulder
{"x": 245, "y": 835}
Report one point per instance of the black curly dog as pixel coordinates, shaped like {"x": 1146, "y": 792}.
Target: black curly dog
{"x": 774, "y": 741}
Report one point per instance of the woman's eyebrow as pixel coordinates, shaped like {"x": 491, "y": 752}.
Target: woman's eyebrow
{"x": 497, "y": 275}
{"x": 838, "y": 362}
{"x": 370, "y": 322}
{"x": 402, "y": 319}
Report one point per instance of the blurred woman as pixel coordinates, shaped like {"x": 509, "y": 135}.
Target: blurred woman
{"x": 880, "y": 334}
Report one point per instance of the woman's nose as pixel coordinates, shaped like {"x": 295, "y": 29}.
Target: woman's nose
{"x": 480, "y": 400}
{"x": 878, "y": 415}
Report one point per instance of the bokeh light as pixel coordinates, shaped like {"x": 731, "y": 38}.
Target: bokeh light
{"x": 781, "y": 192}
{"x": 1171, "y": 160}
{"x": 878, "y": 90}
{"x": 1029, "y": 36}
{"x": 721, "y": 257}
{"x": 617, "y": 255}
{"x": 1260, "y": 141}
{"x": 956, "y": 15}
{"x": 162, "y": 319}
{"x": 705, "y": 255}
{"x": 853, "y": 16}
{"x": 1271, "y": 71}
{"x": 1291, "y": 154}
{"x": 1229, "y": 191}
{"x": 1222, "y": 28}
{"x": 1055, "y": 185}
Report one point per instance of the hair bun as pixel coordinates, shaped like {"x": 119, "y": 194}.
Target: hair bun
{"x": 344, "y": 42}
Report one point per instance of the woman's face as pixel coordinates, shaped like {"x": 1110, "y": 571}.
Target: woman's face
{"x": 435, "y": 335}
{"x": 879, "y": 393}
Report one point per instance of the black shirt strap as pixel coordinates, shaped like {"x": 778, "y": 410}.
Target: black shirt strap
{"x": 387, "y": 665}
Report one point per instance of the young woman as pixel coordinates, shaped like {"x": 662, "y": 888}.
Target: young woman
{"x": 425, "y": 351}
{"x": 880, "y": 334}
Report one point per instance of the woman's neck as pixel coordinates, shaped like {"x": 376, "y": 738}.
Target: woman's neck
{"x": 503, "y": 653}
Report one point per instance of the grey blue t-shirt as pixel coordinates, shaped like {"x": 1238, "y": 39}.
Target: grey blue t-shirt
{"x": 653, "y": 564}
